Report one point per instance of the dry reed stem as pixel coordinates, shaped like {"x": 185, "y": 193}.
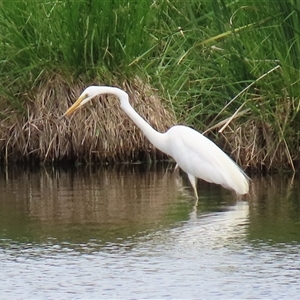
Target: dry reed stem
{"x": 256, "y": 145}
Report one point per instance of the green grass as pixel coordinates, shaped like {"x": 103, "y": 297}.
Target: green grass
{"x": 213, "y": 61}
{"x": 73, "y": 38}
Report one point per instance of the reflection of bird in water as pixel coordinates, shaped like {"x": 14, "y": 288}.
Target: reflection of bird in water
{"x": 195, "y": 154}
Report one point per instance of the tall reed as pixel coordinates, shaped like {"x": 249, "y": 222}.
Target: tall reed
{"x": 236, "y": 63}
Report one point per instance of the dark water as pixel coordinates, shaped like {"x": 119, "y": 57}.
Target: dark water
{"x": 133, "y": 232}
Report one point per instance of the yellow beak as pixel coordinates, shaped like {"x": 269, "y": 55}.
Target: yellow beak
{"x": 75, "y": 106}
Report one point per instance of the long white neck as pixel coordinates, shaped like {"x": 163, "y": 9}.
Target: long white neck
{"x": 156, "y": 138}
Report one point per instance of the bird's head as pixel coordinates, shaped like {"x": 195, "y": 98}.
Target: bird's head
{"x": 88, "y": 94}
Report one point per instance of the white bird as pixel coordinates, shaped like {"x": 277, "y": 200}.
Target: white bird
{"x": 195, "y": 154}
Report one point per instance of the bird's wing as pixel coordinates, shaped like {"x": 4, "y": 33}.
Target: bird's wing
{"x": 199, "y": 156}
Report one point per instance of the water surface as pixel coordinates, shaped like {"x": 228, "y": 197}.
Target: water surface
{"x": 133, "y": 232}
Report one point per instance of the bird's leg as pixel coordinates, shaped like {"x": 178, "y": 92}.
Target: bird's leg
{"x": 196, "y": 202}
{"x": 193, "y": 181}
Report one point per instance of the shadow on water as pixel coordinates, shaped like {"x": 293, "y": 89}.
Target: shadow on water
{"x": 78, "y": 204}
{"x": 274, "y": 210}
{"x": 96, "y": 202}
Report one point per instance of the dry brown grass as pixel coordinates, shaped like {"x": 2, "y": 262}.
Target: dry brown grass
{"x": 102, "y": 132}
{"x": 256, "y": 146}
{"x": 99, "y": 132}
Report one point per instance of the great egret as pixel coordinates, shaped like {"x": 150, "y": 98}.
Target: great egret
{"x": 195, "y": 154}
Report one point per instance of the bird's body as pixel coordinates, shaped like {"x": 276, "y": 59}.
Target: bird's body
{"x": 200, "y": 157}
{"x": 195, "y": 154}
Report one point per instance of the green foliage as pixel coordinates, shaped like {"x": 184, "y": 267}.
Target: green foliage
{"x": 216, "y": 50}
{"x": 210, "y": 58}
{"x": 71, "y": 38}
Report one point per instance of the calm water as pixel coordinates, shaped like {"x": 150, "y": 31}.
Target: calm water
{"x": 133, "y": 232}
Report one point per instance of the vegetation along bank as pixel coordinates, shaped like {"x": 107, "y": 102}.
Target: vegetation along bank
{"x": 227, "y": 68}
